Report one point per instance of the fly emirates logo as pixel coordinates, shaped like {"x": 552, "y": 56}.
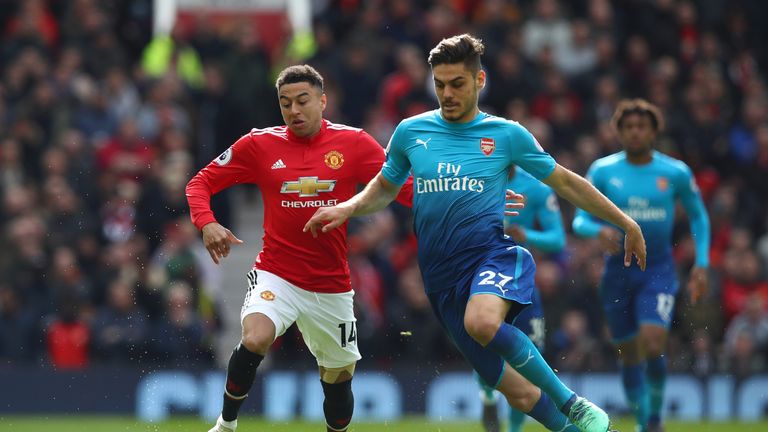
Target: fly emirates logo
{"x": 449, "y": 179}
{"x": 640, "y": 210}
{"x": 306, "y": 187}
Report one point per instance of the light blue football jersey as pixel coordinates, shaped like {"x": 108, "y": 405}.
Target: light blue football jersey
{"x": 541, "y": 216}
{"x": 459, "y": 180}
{"x": 647, "y": 193}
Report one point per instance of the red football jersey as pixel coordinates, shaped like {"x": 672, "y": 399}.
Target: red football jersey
{"x": 296, "y": 176}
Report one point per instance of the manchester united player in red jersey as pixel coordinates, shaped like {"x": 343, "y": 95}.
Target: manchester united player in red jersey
{"x": 308, "y": 163}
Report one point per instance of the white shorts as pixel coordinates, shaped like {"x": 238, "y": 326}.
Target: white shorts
{"x": 326, "y": 321}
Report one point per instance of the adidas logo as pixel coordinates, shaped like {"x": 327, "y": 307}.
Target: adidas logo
{"x": 279, "y": 164}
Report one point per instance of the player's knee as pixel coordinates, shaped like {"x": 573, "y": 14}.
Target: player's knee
{"x": 256, "y": 341}
{"x": 258, "y": 333}
{"x": 653, "y": 347}
{"x": 481, "y": 327}
{"x": 338, "y": 405}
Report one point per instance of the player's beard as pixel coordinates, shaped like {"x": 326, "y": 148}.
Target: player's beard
{"x": 462, "y": 109}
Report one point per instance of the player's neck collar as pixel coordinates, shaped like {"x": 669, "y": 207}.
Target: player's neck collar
{"x": 309, "y": 139}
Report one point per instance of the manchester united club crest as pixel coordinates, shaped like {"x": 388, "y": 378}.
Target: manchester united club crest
{"x": 487, "y": 145}
{"x": 334, "y": 159}
{"x": 662, "y": 183}
{"x": 268, "y": 295}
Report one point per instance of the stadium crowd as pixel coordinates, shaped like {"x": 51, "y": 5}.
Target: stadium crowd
{"x": 102, "y": 125}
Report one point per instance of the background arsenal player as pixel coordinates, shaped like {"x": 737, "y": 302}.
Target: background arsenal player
{"x": 310, "y": 163}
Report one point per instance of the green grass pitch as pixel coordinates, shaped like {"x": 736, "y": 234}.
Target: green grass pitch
{"x": 77, "y": 423}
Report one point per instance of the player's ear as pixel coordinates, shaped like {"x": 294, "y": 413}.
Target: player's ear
{"x": 323, "y": 101}
{"x": 480, "y": 79}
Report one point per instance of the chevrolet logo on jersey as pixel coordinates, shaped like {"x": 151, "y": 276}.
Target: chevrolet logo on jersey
{"x": 308, "y": 186}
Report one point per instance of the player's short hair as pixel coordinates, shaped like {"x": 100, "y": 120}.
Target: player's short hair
{"x": 299, "y": 73}
{"x": 638, "y": 106}
{"x": 463, "y": 48}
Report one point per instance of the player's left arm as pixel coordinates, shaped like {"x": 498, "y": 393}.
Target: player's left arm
{"x": 551, "y": 238}
{"x": 688, "y": 193}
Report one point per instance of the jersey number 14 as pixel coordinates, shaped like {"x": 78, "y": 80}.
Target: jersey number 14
{"x": 348, "y": 338}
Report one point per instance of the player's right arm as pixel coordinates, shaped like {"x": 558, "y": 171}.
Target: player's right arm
{"x": 233, "y": 166}
{"x": 378, "y": 193}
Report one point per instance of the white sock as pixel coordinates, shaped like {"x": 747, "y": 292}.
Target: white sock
{"x": 230, "y": 424}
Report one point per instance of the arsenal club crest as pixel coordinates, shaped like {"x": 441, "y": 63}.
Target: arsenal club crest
{"x": 662, "y": 183}
{"x": 487, "y": 145}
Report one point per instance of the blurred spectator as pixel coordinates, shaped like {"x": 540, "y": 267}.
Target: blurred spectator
{"x": 19, "y": 328}
{"x": 120, "y": 327}
{"x": 179, "y": 339}
{"x": 752, "y": 321}
{"x": 742, "y": 278}
{"x": 546, "y": 28}
{"x": 68, "y": 336}
{"x": 703, "y": 363}
{"x": 575, "y": 349}
{"x": 173, "y": 52}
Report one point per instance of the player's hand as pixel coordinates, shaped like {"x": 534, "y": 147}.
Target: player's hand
{"x": 218, "y": 240}
{"x": 698, "y": 284}
{"x": 610, "y": 240}
{"x": 514, "y": 203}
{"x": 634, "y": 244}
{"x": 327, "y": 218}
{"x": 517, "y": 233}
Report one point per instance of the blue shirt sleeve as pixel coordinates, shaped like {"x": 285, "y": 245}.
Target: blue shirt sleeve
{"x": 551, "y": 238}
{"x": 584, "y": 224}
{"x": 397, "y": 167}
{"x": 528, "y": 154}
{"x": 689, "y": 195}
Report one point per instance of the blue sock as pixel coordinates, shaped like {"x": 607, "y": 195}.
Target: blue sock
{"x": 657, "y": 378}
{"x": 518, "y": 350}
{"x": 546, "y": 413}
{"x": 636, "y": 391}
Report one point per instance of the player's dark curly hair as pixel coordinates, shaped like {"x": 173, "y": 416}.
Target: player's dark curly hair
{"x": 464, "y": 48}
{"x": 638, "y": 106}
{"x": 299, "y": 73}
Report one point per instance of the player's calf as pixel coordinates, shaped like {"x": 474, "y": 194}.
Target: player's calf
{"x": 241, "y": 372}
{"x": 338, "y": 405}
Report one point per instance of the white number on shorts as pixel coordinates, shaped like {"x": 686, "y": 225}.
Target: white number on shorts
{"x": 664, "y": 305}
{"x": 489, "y": 277}
{"x": 351, "y": 338}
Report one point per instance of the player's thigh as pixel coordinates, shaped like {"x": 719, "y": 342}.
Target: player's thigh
{"x": 271, "y": 296}
{"x": 328, "y": 325}
{"x": 617, "y": 297}
{"x": 449, "y": 306}
{"x": 656, "y": 297}
{"x": 508, "y": 274}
